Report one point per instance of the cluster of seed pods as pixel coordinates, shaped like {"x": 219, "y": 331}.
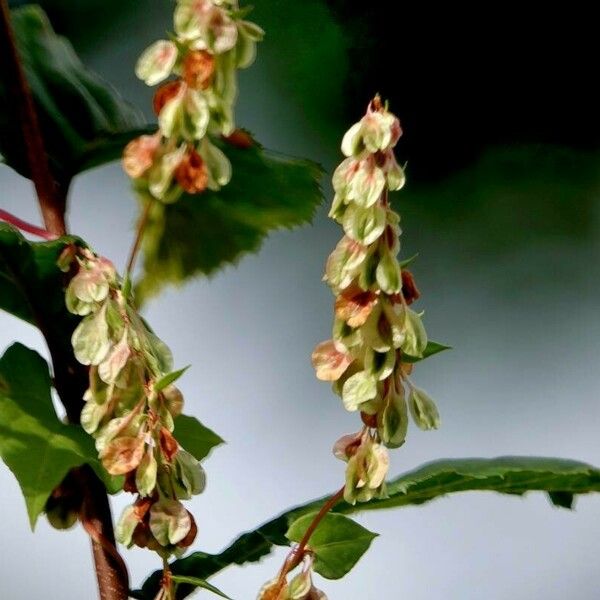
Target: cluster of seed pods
{"x": 195, "y": 103}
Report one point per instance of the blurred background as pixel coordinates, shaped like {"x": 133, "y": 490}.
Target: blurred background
{"x": 502, "y": 144}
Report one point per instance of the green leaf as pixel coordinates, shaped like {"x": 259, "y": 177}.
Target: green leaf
{"x": 407, "y": 261}
{"x": 30, "y": 280}
{"x": 85, "y": 122}
{"x": 201, "y": 233}
{"x": 199, "y": 583}
{"x": 338, "y": 542}
{"x": 194, "y": 437}
{"x": 169, "y": 378}
{"x": 35, "y": 445}
{"x": 561, "y": 479}
{"x": 31, "y": 288}
{"x": 431, "y": 349}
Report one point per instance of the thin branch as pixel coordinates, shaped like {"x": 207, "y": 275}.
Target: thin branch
{"x": 52, "y": 199}
{"x": 26, "y": 227}
{"x": 139, "y": 235}
{"x": 297, "y": 554}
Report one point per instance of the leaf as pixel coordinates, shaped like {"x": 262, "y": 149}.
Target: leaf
{"x": 169, "y": 378}
{"x": 200, "y": 233}
{"x": 431, "y": 349}
{"x": 29, "y": 272}
{"x": 561, "y": 479}
{"x": 85, "y": 122}
{"x": 201, "y": 583}
{"x": 194, "y": 437}
{"x": 35, "y": 445}
{"x": 338, "y": 542}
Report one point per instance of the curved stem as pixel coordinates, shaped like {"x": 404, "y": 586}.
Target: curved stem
{"x": 139, "y": 235}
{"x": 295, "y": 556}
{"x": 25, "y": 226}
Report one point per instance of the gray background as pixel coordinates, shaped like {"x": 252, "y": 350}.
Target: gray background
{"x": 508, "y": 269}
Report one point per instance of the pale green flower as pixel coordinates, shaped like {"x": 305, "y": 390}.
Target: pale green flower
{"x": 157, "y": 62}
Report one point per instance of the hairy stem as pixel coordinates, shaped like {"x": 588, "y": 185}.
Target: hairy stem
{"x": 51, "y": 196}
{"x": 70, "y": 377}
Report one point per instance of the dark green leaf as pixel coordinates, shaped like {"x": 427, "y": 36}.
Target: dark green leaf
{"x": 85, "y": 122}
{"x": 560, "y": 479}
{"x": 198, "y": 234}
{"x": 337, "y": 542}
{"x": 199, "y": 583}
{"x": 31, "y": 284}
{"x": 169, "y": 378}
{"x": 36, "y": 446}
{"x": 194, "y": 437}
{"x": 431, "y": 349}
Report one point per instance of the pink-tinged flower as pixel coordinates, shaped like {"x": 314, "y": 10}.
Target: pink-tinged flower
{"x": 347, "y": 446}
{"x": 378, "y": 131}
{"x": 354, "y": 305}
{"x": 156, "y": 62}
{"x": 330, "y": 360}
{"x": 192, "y": 174}
{"x": 139, "y": 155}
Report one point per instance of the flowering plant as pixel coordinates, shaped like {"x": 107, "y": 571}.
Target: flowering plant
{"x": 208, "y": 193}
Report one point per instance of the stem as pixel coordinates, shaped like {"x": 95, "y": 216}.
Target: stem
{"x": 295, "y": 556}
{"x": 70, "y": 377}
{"x": 51, "y": 197}
{"x": 25, "y": 226}
{"x": 139, "y": 235}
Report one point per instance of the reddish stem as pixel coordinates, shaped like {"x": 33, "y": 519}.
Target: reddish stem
{"x": 51, "y": 196}
{"x": 26, "y": 227}
{"x": 297, "y": 554}
{"x": 69, "y": 375}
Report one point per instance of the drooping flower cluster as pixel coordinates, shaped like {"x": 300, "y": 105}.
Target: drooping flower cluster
{"x": 376, "y": 335}
{"x": 211, "y": 41}
{"x": 130, "y": 407}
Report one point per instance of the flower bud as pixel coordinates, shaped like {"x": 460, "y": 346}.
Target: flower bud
{"x": 191, "y": 174}
{"x": 145, "y": 478}
{"x": 415, "y": 336}
{"x": 330, "y": 359}
{"x": 169, "y": 522}
{"x": 166, "y": 93}
{"x": 139, "y": 155}
{"x": 122, "y": 455}
{"x": 174, "y": 400}
{"x": 392, "y": 420}
{"x": 358, "y": 389}
{"x": 354, "y": 305}
{"x": 168, "y": 444}
{"x": 157, "y": 62}
{"x": 347, "y": 446}
{"x": 366, "y": 472}
{"x": 410, "y": 291}
{"x": 198, "y": 69}
{"x": 364, "y": 225}
{"x": 423, "y": 410}
{"x": 188, "y": 540}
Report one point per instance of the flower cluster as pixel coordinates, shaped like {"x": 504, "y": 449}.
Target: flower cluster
{"x": 130, "y": 407}
{"x": 376, "y": 335}
{"x": 300, "y": 587}
{"x": 211, "y": 41}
